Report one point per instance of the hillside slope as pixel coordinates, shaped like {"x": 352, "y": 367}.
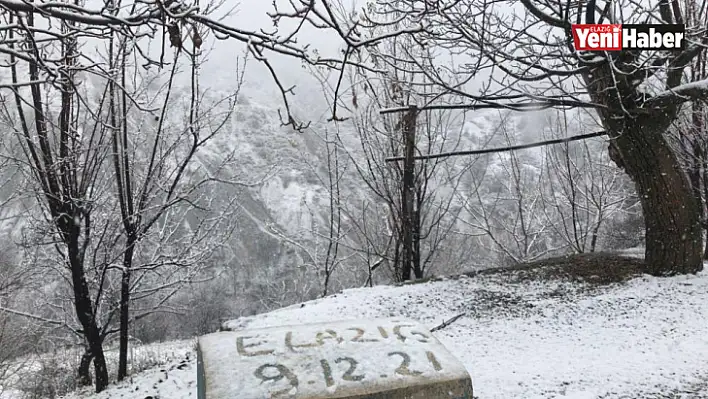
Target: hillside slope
{"x": 642, "y": 339}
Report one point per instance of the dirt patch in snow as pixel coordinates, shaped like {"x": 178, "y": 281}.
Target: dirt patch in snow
{"x": 598, "y": 268}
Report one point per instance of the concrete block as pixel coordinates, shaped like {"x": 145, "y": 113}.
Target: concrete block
{"x": 373, "y": 359}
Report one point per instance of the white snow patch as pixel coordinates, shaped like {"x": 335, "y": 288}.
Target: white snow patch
{"x": 526, "y": 340}
{"x": 174, "y": 380}
{"x": 291, "y": 204}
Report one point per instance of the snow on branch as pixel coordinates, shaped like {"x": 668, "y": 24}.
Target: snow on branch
{"x": 70, "y": 12}
{"x": 36, "y": 318}
{"x": 682, "y": 93}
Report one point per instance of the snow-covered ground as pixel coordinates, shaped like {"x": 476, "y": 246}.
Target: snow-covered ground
{"x": 36, "y": 371}
{"x": 647, "y": 338}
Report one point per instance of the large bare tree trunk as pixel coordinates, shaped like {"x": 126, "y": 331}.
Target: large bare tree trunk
{"x": 671, "y": 211}
{"x": 639, "y": 145}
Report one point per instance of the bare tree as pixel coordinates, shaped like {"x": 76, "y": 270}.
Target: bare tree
{"x": 581, "y": 189}
{"x": 148, "y": 194}
{"x": 417, "y": 199}
{"x": 335, "y": 234}
{"x": 528, "y": 62}
{"x": 503, "y": 204}
{"x": 419, "y": 217}
{"x": 321, "y": 242}
{"x": 42, "y": 43}
{"x": 55, "y": 150}
{"x": 102, "y": 117}
{"x": 531, "y": 203}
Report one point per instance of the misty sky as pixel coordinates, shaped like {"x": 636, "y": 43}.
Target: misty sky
{"x": 252, "y": 15}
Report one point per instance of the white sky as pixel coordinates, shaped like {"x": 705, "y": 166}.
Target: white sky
{"x": 252, "y": 15}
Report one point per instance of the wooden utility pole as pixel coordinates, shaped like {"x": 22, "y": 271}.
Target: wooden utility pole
{"x": 408, "y": 260}
{"x": 408, "y": 127}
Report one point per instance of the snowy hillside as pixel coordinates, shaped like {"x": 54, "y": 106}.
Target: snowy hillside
{"x": 519, "y": 339}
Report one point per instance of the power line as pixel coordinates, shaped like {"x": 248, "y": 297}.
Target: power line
{"x": 503, "y": 149}
{"x": 514, "y": 106}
